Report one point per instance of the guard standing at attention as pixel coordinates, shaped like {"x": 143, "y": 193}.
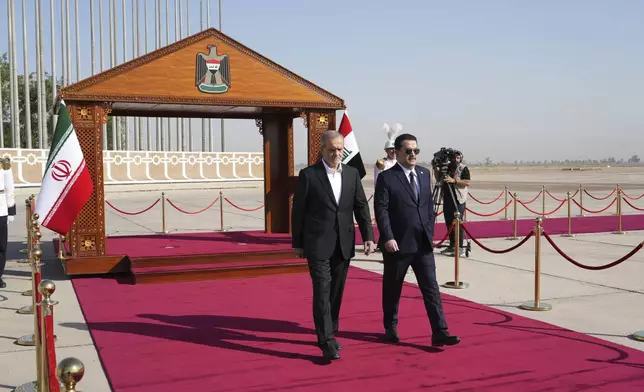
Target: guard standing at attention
{"x": 7, "y": 210}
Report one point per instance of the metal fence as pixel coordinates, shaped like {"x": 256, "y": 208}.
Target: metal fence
{"x": 52, "y": 34}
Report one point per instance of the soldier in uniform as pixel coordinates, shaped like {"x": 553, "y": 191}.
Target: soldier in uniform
{"x": 388, "y": 161}
{"x": 7, "y": 210}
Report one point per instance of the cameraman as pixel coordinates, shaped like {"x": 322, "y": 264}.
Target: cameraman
{"x": 456, "y": 185}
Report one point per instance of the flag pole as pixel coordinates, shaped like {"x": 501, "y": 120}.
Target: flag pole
{"x": 26, "y": 79}
{"x": 54, "y": 82}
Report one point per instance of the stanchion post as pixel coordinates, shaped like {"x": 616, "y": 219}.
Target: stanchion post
{"x": 619, "y": 211}
{"x": 568, "y": 198}
{"x": 581, "y": 200}
{"x": 221, "y": 210}
{"x": 46, "y": 289}
{"x": 514, "y": 224}
{"x": 457, "y": 284}
{"x": 28, "y": 219}
{"x": 505, "y": 203}
{"x": 28, "y": 223}
{"x": 33, "y": 339}
{"x": 163, "y": 228}
{"x": 537, "y": 304}
{"x": 543, "y": 200}
{"x": 34, "y": 243}
{"x": 69, "y": 372}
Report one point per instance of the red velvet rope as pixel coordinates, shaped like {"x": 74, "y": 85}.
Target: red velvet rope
{"x": 36, "y": 292}
{"x": 192, "y": 213}
{"x": 439, "y": 243}
{"x": 528, "y": 202}
{"x": 632, "y": 206}
{"x": 601, "y": 198}
{"x": 492, "y": 214}
{"x": 588, "y": 267}
{"x": 632, "y": 198}
{"x": 241, "y": 208}
{"x": 51, "y": 352}
{"x": 510, "y": 249}
{"x": 539, "y": 213}
{"x": 133, "y": 213}
{"x": 595, "y": 212}
{"x": 557, "y": 199}
{"x": 486, "y": 202}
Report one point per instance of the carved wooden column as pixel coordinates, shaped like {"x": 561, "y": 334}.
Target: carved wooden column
{"x": 279, "y": 168}
{"x": 317, "y": 123}
{"x": 87, "y": 235}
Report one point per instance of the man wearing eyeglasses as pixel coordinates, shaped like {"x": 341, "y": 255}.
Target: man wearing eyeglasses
{"x": 328, "y": 195}
{"x": 405, "y": 217}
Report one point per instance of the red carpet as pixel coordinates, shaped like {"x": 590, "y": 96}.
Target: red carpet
{"x": 257, "y": 335}
{"x": 257, "y": 241}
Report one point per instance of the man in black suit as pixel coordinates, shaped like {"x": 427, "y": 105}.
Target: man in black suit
{"x": 405, "y": 217}
{"x": 327, "y": 196}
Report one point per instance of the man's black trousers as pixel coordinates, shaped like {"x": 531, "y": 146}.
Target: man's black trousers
{"x": 329, "y": 278}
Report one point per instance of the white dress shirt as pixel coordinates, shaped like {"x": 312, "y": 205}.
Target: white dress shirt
{"x": 335, "y": 178}
{"x": 408, "y": 171}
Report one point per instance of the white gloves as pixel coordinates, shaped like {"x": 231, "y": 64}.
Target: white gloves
{"x": 10, "y": 218}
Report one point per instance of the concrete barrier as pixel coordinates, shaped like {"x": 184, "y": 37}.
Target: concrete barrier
{"x": 149, "y": 167}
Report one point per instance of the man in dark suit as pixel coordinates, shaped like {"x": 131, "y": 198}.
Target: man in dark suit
{"x": 405, "y": 217}
{"x": 327, "y": 196}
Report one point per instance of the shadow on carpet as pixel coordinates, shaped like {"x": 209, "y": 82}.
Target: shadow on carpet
{"x": 257, "y": 335}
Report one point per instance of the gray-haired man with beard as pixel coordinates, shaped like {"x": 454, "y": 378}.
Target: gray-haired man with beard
{"x": 328, "y": 195}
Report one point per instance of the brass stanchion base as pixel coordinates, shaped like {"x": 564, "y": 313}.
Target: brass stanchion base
{"x": 453, "y": 285}
{"x": 639, "y": 335}
{"x": 512, "y": 238}
{"x": 26, "y": 310}
{"x": 24, "y": 261}
{"x": 532, "y": 305}
{"x": 28, "y": 293}
{"x": 568, "y": 235}
{"x": 23, "y": 251}
{"x": 619, "y": 232}
{"x": 28, "y": 387}
{"x": 27, "y": 340}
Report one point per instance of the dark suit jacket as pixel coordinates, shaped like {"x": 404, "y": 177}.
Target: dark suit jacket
{"x": 398, "y": 215}
{"x": 317, "y": 221}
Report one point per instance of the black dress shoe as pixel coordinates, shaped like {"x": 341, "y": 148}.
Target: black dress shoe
{"x": 329, "y": 352}
{"x": 338, "y": 346}
{"x": 391, "y": 335}
{"x": 443, "y": 338}
{"x": 2, "y": 284}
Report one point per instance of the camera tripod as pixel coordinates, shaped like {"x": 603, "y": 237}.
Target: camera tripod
{"x": 437, "y": 196}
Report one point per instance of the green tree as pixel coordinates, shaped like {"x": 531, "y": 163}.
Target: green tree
{"x": 33, "y": 102}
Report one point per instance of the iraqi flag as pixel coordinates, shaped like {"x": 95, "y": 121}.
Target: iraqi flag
{"x": 66, "y": 185}
{"x": 351, "y": 155}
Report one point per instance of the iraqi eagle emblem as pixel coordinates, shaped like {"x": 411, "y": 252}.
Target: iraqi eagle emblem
{"x": 213, "y": 72}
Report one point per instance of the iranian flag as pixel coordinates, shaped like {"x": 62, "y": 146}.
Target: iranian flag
{"x": 351, "y": 155}
{"x": 66, "y": 185}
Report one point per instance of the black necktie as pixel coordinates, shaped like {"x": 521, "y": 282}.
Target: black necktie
{"x": 414, "y": 187}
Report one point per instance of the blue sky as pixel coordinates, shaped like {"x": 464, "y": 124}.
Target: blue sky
{"x": 507, "y": 80}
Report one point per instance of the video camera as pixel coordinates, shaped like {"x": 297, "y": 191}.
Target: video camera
{"x": 444, "y": 161}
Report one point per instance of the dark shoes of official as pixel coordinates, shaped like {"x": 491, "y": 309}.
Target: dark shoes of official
{"x": 330, "y": 349}
{"x": 391, "y": 335}
{"x": 2, "y": 284}
{"x": 443, "y": 338}
{"x": 439, "y": 338}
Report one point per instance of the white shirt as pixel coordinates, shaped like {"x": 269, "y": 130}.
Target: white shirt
{"x": 335, "y": 178}
{"x": 408, "y": 171}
